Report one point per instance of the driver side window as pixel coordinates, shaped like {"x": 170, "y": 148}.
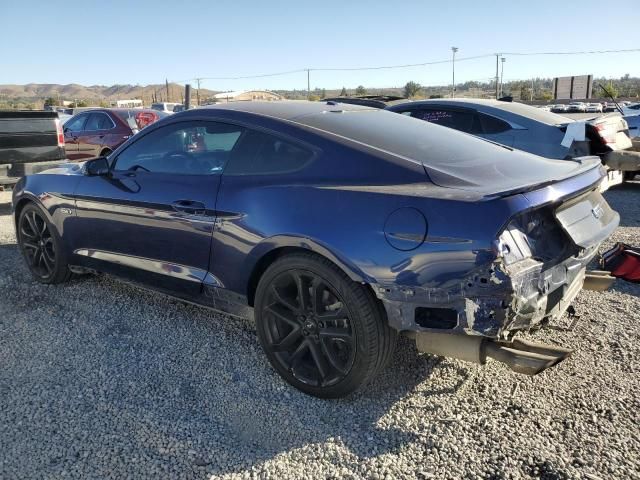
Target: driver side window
{"x": 185, "y": 148}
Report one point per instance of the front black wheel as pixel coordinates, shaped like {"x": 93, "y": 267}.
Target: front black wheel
{"x": 324, "y": 334}
{"x": 41, "y": 246}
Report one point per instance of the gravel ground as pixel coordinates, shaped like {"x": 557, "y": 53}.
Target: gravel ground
{"x": 99, "y": 379}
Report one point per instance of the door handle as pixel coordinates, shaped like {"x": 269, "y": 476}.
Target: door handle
{"x": 189, "y": 206}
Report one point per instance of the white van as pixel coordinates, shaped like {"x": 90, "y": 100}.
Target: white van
{"x": 166, "y": 107}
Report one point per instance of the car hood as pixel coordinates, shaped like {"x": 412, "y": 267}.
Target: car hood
{"x": 71, "y": 168}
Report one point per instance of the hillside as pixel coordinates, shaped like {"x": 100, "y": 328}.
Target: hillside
{"x": 36, "y": 93}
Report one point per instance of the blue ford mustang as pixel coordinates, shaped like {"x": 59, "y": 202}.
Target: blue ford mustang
{"x": 336, "y": 227}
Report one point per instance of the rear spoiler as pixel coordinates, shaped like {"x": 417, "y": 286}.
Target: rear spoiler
{"x": 547, "y": 192}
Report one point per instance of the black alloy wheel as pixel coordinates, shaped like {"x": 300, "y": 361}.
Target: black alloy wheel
{"x": 41, "y": 247}
{"x": 324, "y": 333}
{"x": 309, "y": 328}
{"x": 38, "y": 244}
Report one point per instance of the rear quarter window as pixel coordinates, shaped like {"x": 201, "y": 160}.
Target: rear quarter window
{"x": 260, "y": 153}
{"x": 491, "y": 124}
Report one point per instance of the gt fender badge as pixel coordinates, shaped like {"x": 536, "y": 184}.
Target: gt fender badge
{"x": 66, "y": 211}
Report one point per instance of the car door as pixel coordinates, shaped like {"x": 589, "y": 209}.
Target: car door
{"x": 72, "y": 130}
{"x": 92, "y": 139}
{"x": 151, "y": 218}
{"x": 260, "y": 161}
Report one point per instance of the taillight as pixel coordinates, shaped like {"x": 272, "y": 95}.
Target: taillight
{"x": 60, "y": 133}
{"x": 607, "y": 132}
{"x": 145, "y": 118}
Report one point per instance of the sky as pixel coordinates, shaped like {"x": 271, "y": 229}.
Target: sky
{"x": 144, "y": 42}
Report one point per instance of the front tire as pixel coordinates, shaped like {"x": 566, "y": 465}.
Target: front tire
{"x": 41, "y": 246}
{"x": 323, "y": 333}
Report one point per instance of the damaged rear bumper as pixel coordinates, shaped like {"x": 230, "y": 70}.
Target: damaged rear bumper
{"x": 494, "y": 305}
{"x": 538, "y": 269}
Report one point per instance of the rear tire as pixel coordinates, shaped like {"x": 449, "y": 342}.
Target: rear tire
{"x": 41, "y": 246}
{"x": 323, "y": 333}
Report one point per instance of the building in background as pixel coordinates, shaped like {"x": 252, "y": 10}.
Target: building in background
{"x": 246, "y": 95}
{"x": 134, "y": 103}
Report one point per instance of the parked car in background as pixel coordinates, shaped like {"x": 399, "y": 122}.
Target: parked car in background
{"x": 336, "y": 227}
{"x": 528, "y": 128}
{"x": 98, "y": 132}
{"x": 545, "y": 108}
{"x": 166, "y": 107}
{"x": 576, "y": 107}
{"x": 30, "y": 140}
{"x": 559, "y": 108}
{"x": 593, "y": 108}
{"x": 610, "y": 107}
{"x": 631, "y": 109}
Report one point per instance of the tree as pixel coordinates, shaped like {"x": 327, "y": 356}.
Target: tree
{"x": 50, "y": 101}
{"x": 411, "y": 89}
{"x": 343, "y": 93}
{"x": 611, "y": 90}
{"x": 324, "y": 93}
{"x": 82, "y": 103}
{"x": 360, "y": 90}
{"x": 314, "y": 98}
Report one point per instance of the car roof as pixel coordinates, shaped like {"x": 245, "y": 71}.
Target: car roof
{"x": 284, "y": 110}
{"x": 515, "y": 108}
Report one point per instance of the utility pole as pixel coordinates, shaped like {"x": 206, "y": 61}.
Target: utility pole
{"x": 502, "y": 76}
{"x": 497, "y": 61}
{"x": 453, "y": 71}
{"x": 167, "y": 85}
{"x": 531, "y": 90}
{"x": 198, "y": 91}
{"x": 308, "y": 84}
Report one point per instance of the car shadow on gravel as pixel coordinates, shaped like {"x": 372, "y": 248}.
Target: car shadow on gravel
{"x": 190, "y": 388}
{"x": 618, "y": 198}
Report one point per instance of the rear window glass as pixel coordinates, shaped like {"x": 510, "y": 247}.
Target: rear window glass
{"x": 533, "y": 113}
{"x": 459, "y": 120}
{"x": 402, "y": 135}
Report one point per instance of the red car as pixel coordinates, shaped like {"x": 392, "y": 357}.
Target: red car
{"x": 97, "y": 132}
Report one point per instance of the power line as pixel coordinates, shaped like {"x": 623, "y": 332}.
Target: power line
{"x": 587, "y": 52}
{"x": 406, "y": 65}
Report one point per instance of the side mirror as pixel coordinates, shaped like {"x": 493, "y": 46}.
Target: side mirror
{"x": 97, "y": 167}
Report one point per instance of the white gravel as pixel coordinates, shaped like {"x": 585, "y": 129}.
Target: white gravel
{"x": 99, "y": 379}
